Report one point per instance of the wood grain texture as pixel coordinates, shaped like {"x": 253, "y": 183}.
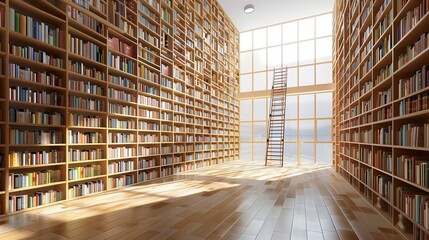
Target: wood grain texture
{"x": 236, "y": 200}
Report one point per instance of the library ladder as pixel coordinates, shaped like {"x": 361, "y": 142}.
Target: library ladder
{"x": 276, "y": 125}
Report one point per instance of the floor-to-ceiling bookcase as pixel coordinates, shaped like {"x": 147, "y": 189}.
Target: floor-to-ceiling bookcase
{"x": 101, "y": 94}
{"x": 381, "y": 58}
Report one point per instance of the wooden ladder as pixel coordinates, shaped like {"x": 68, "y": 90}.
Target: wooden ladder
{"x": 275, "y": 139}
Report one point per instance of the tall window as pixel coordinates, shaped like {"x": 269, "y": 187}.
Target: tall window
{"x": 305, "y": 46}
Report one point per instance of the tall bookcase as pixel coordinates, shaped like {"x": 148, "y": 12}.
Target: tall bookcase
{"x": 97, "y": 95}
{"x": 381, "y": 103}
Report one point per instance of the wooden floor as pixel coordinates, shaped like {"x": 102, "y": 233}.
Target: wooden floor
{"x": 231, "y": 201}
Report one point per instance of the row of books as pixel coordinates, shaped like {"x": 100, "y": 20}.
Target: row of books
{"x": 121, "y": 109}
{"x": 100, "y": 5}
{"x": 149, "y": 138}
{"x": 118, "y": 45}
{"x": 118, "y": 137}
{"x": 77, "y": 137}
{"x": 414, "y": 169}
{"x": 23, "y": 94}
{"x": 121, "y": 63}
{"x": 148, "y": 151}
{"x": 19, "y": 136}
{"x": 120, "y": 95}
{"x": 82, "y": 69}
{"x": 413, "y": 50}
{"x": 383, "y": 97}
{"x": 27, "y": 158}
{"x": 35, "y": 28}
{"x": 417, "y": 82}
{"x": 85, "y": 49}
{"x": 86, "y": 87}
{"x": 148, "y": 37}
{"x": 26, "y": 73}
{"x": 121, "y": 181}
{"x": 144, "y": 176}
{"x": 32, "y": 54}
{"x": 413, "y": 204}
{"x": 122, "y": 81}
{"x": 84, "y": 121}
{"x": 25, "y": 180}
{"x": 86, "y": 188}
{"x": 147, "y": 163}
{"x": 122, "y": 152}
{"x": 384, "y": 135}
{"x": 35, "y": 117}
{"x": 80, "y": 172}
{"x": 121, "y": 166}
{"x": 86, "y": 103}
{"x": 383, "y": 160}
{"x": 21, "y": 202}
{"x": 75, "y": 155}
{"x": 414, "y": 104}
{"x": 411, "y": 19}
{"x": 86, "y": 20}
{"x": 122, "y": 124}
{"x": 413, "y": 135}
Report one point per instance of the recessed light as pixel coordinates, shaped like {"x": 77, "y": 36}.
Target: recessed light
{"x": 249, "y": 8}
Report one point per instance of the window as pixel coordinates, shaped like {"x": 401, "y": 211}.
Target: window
{"x": 246, "y": 83}
{"x": 246, "y": 132}
{"x": 259, "y": 130}
{"x": 306, "y": 130}
{"x": 259, "y": 38}
{"x": 291, "y": 131}
{"x": 260, "y": 60}
{"x": 261, "y": 108}
{"x": 307, "y": 153}
{"x": 292, "y": 77}
{"x": 324, "y": 73}
{"x": 306, "y": 106}
{"x": 246, "y": 62}
{"x": 246, "y": 41}
{"x": 290, "y": 32}
{"x": 274, "y": 35}
{"x": 246, "y": 152}
{"x": 290, "y": 55}
{"x": 259, "y": 152}
{"x": 324, "y": 25}
{"x": 324, "y": 153}
{"x": 306, "y": 29}
{"x": 324, "y": 130}
{"x": 290, "y": 153}
{"x": 291, "y": 107}
{"x": 306, "y": 52}
{"x": 324, "y": 49}
{"x": 274, "y": 57}
{"x": 246, "y": 110}
{"x": 324, "y": 105}
{"x": 259, "y": 81}
{"x": 306, "y": 75}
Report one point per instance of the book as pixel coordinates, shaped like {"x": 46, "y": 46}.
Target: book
{"x": 113, "y": 43}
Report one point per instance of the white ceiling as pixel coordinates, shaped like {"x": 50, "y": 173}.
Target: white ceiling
{"x": 270, "y": 12}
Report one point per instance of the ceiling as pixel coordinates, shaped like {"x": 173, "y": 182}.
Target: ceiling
{"x": 270, "y": 12}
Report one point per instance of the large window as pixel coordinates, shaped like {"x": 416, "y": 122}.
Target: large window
{"x": 305, "y": 46}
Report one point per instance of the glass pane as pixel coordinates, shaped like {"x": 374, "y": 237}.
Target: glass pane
{"x": 259, "y": 38}
{"x": 290, "y": 154}
{"x": 260, "y": 81}
{"x": 260, "y": 106}
{"x": 246, "y": 83}
{"x": 324, "y": 131}
{"x": 306, "y": 106}
{"x": 290, "y": 55}
{"x": 307, "y": 153}
{"x": 324, "y": 49}
{"x": 306, "y": 75}
{"x": 291, "y": 131}
{"x": 274, "y": 35}
{"x": 291, "y": 107}
{"x": 259, "y": 152}
{"x": 246, "y": 132}
{"x": 260, "y": 60}
{"x": 324, "y": 153}
{"x": 246, "y": 110}
{"x": 292, "y": 77}
{"x": 260, "y": 129}
{"x": 306, "y": 29}
{"x": 290, "y": 32}
{"x": 324, "y": 73}
{"x": 324, "y": 105}
{"x": 246, "y": 62}
{"x": 274, "y": 57}
{"x": 324, "y": 25}
{"x": 306, "y": 52}
{"x": 246, "y": 41}
{"x": 246, "y": 152}
{"x": 306, "y": 130}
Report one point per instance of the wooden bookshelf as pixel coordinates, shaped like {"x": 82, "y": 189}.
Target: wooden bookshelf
{"x": 97, "y": 95}
{"x": 381, "y": 102}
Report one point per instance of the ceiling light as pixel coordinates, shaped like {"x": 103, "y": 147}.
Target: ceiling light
{"x": 249, "y": 8}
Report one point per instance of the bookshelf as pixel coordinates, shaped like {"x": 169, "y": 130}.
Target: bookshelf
{"x": 381, "y": 107}
{"x": 98, "y": 95}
